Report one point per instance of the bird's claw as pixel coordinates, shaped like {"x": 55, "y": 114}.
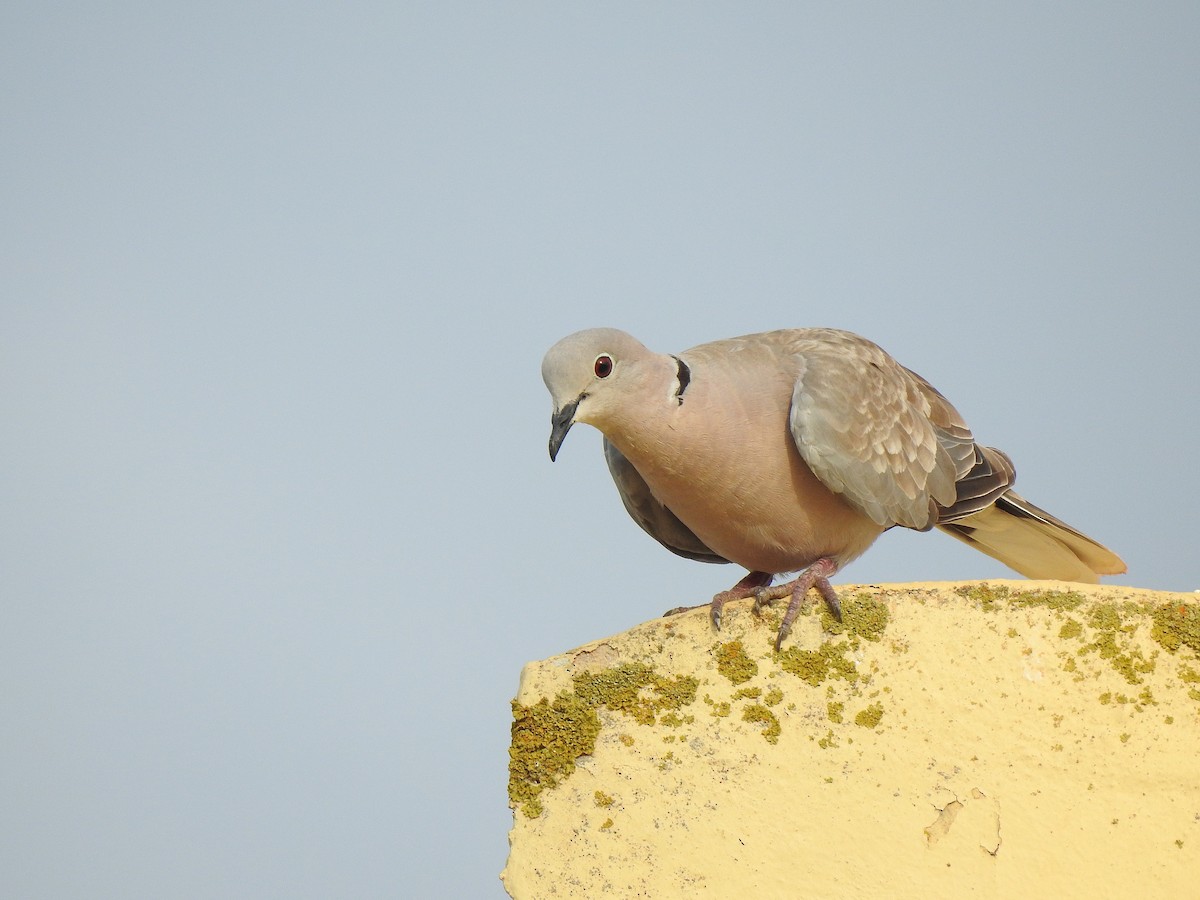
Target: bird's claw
{"x": 835, "y": 608}
{"x": 784, "y": 630}
{"x": 762, "y": 599}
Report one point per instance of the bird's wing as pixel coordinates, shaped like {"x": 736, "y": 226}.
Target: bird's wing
{"x": 878, "y": 434}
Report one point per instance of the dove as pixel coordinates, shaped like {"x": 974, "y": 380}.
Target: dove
{"x": 792, "y": 451}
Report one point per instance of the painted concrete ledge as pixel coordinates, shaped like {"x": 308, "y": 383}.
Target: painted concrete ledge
{"x": 1000, "y": 739}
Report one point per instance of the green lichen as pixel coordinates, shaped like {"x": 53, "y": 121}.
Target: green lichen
{"x": 547, "y": 738}
{"x": 989, "y": 596}
{"x": 1072, "y": 628}
{"x": 834, "y": 710}
{"x": 1105, "y": 617}
{"x": 993, "y": 597}
{"x": 608, "y": 824}
{"x": 1111, "y": 641}
{"x": 756, "y": 712}
{"x": 815, "y": 666}
{"x": 635, "y": 690}
{"x": 1109, "y": 624}
{"x": 829, "y": 740}
{"x": 734, "y": 663}
{"x": 1177, "y": 625}
{"x": 773, "y": 697}
{"x": 1058, "y": 601}
{"x": 603, "y": 799}
{"x": 751, "y": 693}
{"x": 869, "y": 717}
{"x": 862, "y": 616}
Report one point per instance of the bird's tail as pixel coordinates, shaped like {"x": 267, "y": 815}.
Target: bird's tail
{"x": 1033, "y": 542}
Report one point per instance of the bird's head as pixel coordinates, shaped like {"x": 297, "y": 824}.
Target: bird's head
{"x": 596, "y": 376}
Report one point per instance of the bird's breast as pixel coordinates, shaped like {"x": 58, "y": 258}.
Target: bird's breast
{"x": 732, "y": 474}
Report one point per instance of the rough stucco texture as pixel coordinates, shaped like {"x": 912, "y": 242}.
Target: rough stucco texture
{"x": 1033, "y": 739}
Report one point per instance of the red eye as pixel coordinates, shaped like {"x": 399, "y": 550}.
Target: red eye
{"x": 604, "y": 366}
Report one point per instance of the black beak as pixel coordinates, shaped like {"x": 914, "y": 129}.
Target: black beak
{"x": 560, "y": 424}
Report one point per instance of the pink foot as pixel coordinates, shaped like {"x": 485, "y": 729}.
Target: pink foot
{"x": 816, "y": 575}
{"x": 750, "y": 586}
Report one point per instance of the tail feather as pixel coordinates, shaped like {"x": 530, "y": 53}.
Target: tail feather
{"x": 1033, "y": 542}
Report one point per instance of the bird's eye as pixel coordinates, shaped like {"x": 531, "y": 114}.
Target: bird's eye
{"x": 604, "y": 366}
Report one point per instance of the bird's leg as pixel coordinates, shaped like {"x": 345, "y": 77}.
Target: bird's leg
{"x": 750, "y": 586}
{"x": 747, "y": 587}
{"x": 816, "y": 575}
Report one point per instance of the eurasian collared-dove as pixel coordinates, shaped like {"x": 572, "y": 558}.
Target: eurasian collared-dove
{"x": 794, "y": 450}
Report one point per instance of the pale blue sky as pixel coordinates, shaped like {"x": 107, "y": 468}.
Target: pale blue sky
{"x": 279, "y": 528}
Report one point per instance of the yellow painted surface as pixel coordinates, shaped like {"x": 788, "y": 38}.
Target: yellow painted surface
{"x": 1019, "y": 753}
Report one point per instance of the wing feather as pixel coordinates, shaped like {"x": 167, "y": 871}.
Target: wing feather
{"x": 879, "y": 434}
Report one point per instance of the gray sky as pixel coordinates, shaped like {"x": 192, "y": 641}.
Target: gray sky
{"x": 279, "y": 528}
